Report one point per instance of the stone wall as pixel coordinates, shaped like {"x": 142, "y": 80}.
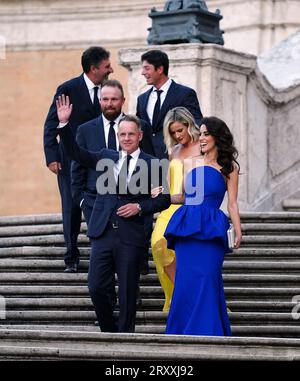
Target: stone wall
{"x": 28, "y": 81}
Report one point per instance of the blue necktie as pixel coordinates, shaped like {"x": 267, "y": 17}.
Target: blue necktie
{"x": 111, "y": 143}
{"x": 122, "y": 177}
{"x": 96, "y": 102}
{"x": 156, "y": 109}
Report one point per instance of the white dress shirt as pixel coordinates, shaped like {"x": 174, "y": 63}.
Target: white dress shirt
{"x": 132, "y": 163}
{"x": 90, "y": 85}
{"x": 153, "y": 98}
{"x": 106, "y": 124}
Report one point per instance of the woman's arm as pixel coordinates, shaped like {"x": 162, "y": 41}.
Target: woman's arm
{"x": 232, "y": 207}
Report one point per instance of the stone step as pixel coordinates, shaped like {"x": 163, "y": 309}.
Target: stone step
{"x": 53, "y": 266}
{"x": 53, "y": 240}
{"x": 275, "y": 253}
{"x": 266, "y": 266}
{"x": 269, "y": 330}
{"x": 261, "y": 282}
{"x": 243, "y": 253}
{"x": 142, "y": 317}
{"x": 291, "y": 204}
{"x": 40, "y": 240}
{"x": 269, "y": 240}
{"x": 35, "y": 219}
{"x": 245, "y": 331}
{"x": 39, "y": 252}
{"x": 42, "y": 219}
{"x": 237, "y": 330}
{"x": 33, "y": 230}
{"x": 271, "y": 228}
{"x": 24, "y": 344}
{"x": 54, "y": 229}
{"x": 68, "y": 303}
{"x": 240, "y": 278}
{"x": 146, "y": 291}
{"x": 84, "y": 303}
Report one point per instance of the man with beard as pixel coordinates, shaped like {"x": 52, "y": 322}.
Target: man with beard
{"x": 96, "y": 134}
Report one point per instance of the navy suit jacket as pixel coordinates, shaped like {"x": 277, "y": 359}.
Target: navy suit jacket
{"x": 131, "y": 230}
{"x": 177, "y": 95}
{"x": 83, "y": 111}
{"x": 90, "y": 136}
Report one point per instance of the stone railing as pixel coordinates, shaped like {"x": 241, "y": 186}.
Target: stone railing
{"x": 264, "y": 120}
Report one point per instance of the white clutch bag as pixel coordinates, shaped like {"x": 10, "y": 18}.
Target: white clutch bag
{"x": 231, "y": 236}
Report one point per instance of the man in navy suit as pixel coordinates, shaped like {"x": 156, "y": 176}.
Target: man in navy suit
{"x": 164, "y": 95}
{"x": 98, "y": 133}
{"x": 83, "y": 91}
{"x": 116, "y": 227}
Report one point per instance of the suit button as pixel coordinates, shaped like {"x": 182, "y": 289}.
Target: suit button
{"x": 153, "y": 134}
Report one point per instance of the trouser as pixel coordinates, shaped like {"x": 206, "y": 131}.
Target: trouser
{"x": 148, "y": 223}
{"x": 71, "y": 217}
{"x": 110, "y": 255}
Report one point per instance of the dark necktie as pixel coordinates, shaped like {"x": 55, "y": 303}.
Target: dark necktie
{"x": 111, "y": 142}
{"x": 156, "y": 109}
{"x": 122, "y": 177}
{"x": 96, "y": 102}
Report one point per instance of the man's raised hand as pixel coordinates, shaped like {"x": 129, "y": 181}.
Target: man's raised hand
{"x": 64, "y": 108}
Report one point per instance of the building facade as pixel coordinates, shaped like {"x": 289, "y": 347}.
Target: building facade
{"x": 40, "y": 46}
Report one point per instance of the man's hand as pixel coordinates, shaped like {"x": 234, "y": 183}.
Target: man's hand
{"x": 156, "y": 191}
{"x": 64, "y": 108}
{"x": 128, "y": 210}
{"x": 55, "y": 167}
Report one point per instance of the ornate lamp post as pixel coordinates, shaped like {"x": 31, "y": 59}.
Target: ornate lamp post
{"x": 185, "y": 21}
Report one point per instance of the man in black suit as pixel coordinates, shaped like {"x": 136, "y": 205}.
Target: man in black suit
{"x": 83, "y": 91}
{"x": 116, "y": 227}
{"x": 164, "y": 95}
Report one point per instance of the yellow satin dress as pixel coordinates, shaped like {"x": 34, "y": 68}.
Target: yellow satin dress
{"x": 161, "y": 255}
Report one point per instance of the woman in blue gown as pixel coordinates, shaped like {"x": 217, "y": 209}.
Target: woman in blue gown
{"x": 197, "y": 232}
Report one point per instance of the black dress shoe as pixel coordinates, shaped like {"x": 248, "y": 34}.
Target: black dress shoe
{"x": 71, "y": 268}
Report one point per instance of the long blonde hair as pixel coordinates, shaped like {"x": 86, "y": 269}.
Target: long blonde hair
{"x": 183, "y": 116}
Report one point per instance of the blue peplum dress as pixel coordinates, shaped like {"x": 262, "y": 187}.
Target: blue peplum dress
{"x": 197, "y": 231}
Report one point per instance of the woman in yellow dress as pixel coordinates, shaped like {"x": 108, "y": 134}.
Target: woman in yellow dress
{"x": 181, "y": 136}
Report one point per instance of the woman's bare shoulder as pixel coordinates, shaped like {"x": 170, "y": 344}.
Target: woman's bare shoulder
{"x": 175, "y": 153}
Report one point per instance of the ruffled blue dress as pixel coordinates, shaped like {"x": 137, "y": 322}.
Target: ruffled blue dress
{"x": 197, "y": 232}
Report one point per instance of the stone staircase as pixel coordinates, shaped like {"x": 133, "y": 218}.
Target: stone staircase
{"x": 49, "y": 314}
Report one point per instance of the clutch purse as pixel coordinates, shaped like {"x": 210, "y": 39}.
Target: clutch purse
{"x": 231, "y": 236}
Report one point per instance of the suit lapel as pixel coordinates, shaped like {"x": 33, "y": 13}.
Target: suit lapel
{"x": 85, "y": 96}
{"x": 101, "y": 135}
{"x": 137, "y": 169}
{"x": 85, "y": 92}
{"x": 144, "y": 103}
{"x": 169, "y": 100}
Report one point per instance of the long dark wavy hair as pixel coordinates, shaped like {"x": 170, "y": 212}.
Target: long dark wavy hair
{"x": 227, "y": 152}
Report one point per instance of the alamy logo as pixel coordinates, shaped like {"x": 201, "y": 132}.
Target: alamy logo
{"x": 145, "y": 176}
{"x": 296, "y": 308}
